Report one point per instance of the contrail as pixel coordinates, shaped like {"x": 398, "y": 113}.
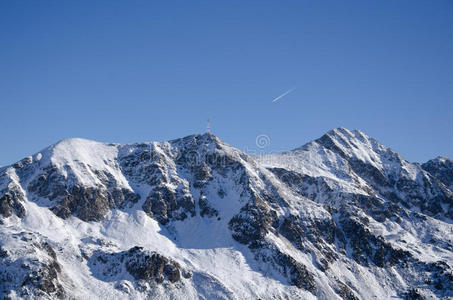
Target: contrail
{"x": 283, "y": 95}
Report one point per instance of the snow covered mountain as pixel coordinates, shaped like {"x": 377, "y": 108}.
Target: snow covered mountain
{"x": 342, "y": 217}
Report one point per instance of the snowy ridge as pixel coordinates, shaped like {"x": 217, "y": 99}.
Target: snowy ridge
{"x": 342, "y": 217}
{"x": 83, "y": 157}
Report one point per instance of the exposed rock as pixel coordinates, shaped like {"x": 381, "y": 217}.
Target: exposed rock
{"x": 49, "y": 184}
{"x": 365, "y": 246}
{"x": 250, "y": 227}
{"x": 345, "y": 292}
{"x": 144, "y": 265}
{"x": 165, "y": 204}
{"x": 439, "y": 275}
{"x": 202, "y": 173}
{"x": 413, "y": 294}
{"x": 10, "y": 204}
{"x": 3, "y": 253}
{"x": 442, "y": 169}
{"x": 251, "y": 224}
{"x": 296, "y": 272}
{"x": 206, "y": 210}
{"x": 92, "y": 204}
{"x": 45, "y": 279}
{"x": 33, "y": 275}
{"x": 320, "y": 233}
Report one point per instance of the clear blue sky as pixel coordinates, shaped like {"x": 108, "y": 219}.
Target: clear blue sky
{"x": 128, "y": 71}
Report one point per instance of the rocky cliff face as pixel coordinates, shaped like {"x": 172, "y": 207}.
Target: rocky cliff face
{"x": 342, "y": 217}
{"x": 442, "y": 169}
{"x": 29, "y": 267}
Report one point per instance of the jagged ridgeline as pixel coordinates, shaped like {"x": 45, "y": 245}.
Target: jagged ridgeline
{"x": 342, "y": 217}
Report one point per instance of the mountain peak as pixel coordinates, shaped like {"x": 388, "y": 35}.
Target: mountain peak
{"x": 87, "y": 151}
{"x": 205, "y": 141}
{"x": 442, "y": 168}
{"x": 340, "y": 131}
{"x": 347, "y": 134}
{"x": 442, "y": 160}
{"x": 354, "y": 143}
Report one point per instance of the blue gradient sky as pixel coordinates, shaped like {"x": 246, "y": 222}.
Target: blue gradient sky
{"x": 127, "y": 71}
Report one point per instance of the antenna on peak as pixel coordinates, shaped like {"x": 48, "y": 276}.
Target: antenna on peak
{"x": 208, "y": 126}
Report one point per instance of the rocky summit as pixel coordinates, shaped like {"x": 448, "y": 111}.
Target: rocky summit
{"x": 342, "y": 217}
